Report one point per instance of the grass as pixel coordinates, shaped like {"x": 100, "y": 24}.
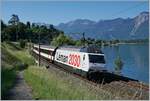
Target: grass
{"x": 14, "y": 53}
{"x": 13, "y": 58}
{"x": 7, "y": 81}
{"x": 45, "y": 84}
{"x": 51, "y": 85}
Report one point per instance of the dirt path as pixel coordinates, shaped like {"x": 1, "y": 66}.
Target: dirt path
{"x": 21, "y": 90}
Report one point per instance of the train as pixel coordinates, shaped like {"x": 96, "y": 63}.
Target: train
{"x": 83, "y": 60}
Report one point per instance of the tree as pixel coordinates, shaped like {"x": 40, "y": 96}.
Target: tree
{"x": 90, "y": 41}
{"x": 14, "y": 20}
{"x": 99, "y": 42}
{"x": 83, "y": 40}
{"x": 21, "y": 31}
{"x": 33, "y": 25}
{"x": 9, "y": 33}
{"x": 17, "y": 30}
{"x": 79, "y": 43}
{"x": 62, "y": 40}
{"x": 28, "y": 24}
{"x": 3, "y": 25}
{"x": 22, "y": 43}
{"x": 118, "y": 64}
{"x": 116, "y": 41}
{"x": 3, "y": 34}
{"x": 51, "y": 27}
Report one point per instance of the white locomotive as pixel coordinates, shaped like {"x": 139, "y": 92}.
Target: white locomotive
{"x": 82, "y": 60}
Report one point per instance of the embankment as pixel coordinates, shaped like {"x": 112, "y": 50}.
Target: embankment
{"x": 13, "y": 60}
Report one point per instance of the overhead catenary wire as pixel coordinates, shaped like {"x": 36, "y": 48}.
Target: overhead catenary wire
{"x": 128, "y": 9}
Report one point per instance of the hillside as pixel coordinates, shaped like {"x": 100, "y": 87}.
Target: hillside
{"x": 13, "y": 60}
{"x": 119, "y": 28}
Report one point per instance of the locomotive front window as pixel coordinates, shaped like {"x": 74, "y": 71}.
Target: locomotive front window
{"x": 96, "y": 59}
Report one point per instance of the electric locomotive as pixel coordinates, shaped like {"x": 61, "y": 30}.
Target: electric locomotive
{"x": 80, "y": 60}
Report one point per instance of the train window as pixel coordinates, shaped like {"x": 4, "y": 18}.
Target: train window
{"x": 35, "y": 48}
{"x": 96, "y": 59}
{"x": 45, "y": 51}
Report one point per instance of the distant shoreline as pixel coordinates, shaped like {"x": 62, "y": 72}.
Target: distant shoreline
{"x": 134, "y": 43}
{"x": 127, "y": 44}
{"x": 119, "y": 42}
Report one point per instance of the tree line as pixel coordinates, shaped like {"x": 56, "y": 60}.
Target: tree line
{"x": 16, "y": 30}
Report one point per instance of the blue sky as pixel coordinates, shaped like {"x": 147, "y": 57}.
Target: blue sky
{"x": 52, "y": 12}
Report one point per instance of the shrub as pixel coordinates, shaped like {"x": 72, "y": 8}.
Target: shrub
{"x": 21, "y": 66}
{"x": 22, "y": 43}
{"x": 62, "y": 40}
{"x": 118, "y": 64}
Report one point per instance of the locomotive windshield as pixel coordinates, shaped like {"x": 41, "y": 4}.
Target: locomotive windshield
{"x": 96, "y": 58}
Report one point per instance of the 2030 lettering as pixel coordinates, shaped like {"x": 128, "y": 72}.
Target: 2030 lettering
{"x": 74, "y": 60}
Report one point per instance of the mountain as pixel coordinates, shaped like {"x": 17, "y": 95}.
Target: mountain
{"x": 119, "y": 28}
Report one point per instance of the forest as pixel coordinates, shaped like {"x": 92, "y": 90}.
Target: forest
{"x": 17, "y": 31}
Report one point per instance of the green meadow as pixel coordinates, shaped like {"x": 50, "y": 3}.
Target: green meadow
{"x": 52, "y": 83}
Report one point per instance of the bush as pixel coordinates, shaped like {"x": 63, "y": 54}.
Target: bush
{"x": 62, "y": 40}
{"x": 21, "y": 66}
{"x": 118, "y": 64}
{"x": 79, "y": 43}
{"x": 22, "y": 43}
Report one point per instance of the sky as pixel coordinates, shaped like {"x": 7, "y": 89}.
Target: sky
{"x": 55, "y": 12}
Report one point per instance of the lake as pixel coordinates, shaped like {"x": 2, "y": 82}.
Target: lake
{"x": 135, "y": 58}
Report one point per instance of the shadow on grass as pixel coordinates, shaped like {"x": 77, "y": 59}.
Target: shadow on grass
{"x": 8, "y": 78}
{"x": 106, "y": 77}
{"x": 14, "y": 46}
{"x": 21, "y": 66}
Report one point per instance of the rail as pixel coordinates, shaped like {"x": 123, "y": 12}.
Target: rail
{"x": 136, "y": 86}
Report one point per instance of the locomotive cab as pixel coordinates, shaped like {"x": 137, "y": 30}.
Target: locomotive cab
{"x": 96, "y": 58}
{"x": 96, "y": 62}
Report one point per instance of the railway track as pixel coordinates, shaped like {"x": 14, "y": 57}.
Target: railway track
{"x": 134, "y": 89}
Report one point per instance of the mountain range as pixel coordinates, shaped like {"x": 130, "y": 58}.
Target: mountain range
{"x": 119, "y": 28}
